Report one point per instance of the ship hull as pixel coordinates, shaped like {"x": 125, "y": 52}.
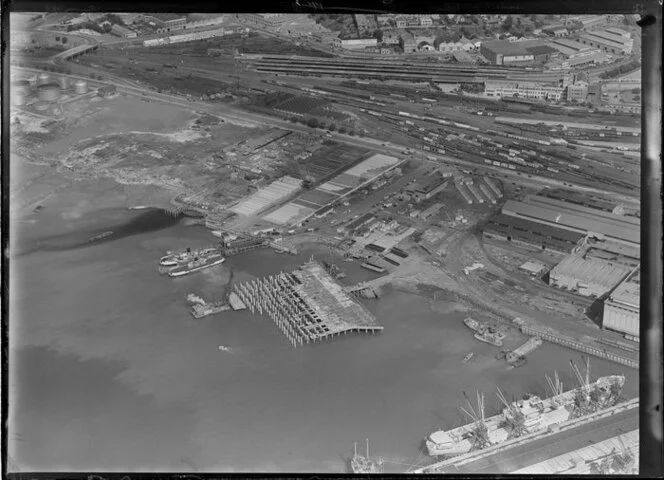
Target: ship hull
{"x": 179, "y": 273}
{"x": 494, "y": 342}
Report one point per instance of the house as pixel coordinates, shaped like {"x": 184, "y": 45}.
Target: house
{"x": 425, "y": 47}
{"x": 425, "y": 21}
{"x": 391, "y": 37}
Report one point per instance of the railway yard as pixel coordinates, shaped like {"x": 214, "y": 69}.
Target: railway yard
{"x": 389, "y": 163}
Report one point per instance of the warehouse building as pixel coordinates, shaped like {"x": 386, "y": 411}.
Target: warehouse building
{"x": 532, "y": 235}
{"x": 589, "y": 277}
{"x": 169, "y": 22}
{"x": 577, "y": 92}
{"x": 123, "y": 32}
{"x": 621, "y": 309}
{"x": 524, "y": 52}
{"x": 609, "y": 41}
{"x": 576, "y": 218}
{"x": 531, "y": 90}
{"x": 356, "y": 43}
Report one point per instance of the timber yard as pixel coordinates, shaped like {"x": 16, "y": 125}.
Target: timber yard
{"x": 489, "y": 162}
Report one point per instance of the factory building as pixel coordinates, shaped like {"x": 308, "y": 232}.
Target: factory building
{"x": 571, "y": 48}
{"x": 576, "y": 218}
{"x": 169, "y": 22}
{"x": 590, "y": 277}
{"x": 533, "y": 235}
{"x": 407, "y": 42}
{"x": 621, "y": 309}
{"x": 523, "y": 52}
{"x": 264, "y": 20}
{"x": 356, "y": 43}
{"x": 609, "y": 41}
{"x": 532, "y": 90}
{"x": 123, "y": 32}
{"x": 577, "y": 92}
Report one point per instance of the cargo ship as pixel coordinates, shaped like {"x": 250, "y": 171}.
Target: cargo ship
{"x": 198, "y": 263}
{"x": 361, "y": 464}
{"x": 529, "y": 415}
{"x": 173, "y": 259}
{"x": 491, "y": 335}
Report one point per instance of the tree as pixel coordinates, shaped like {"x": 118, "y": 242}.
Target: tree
{"x": 342, "y": 130}
{"x": 507, "y": 24}
{"x": 378, "y": 34}
{"x": 293, "y": 119}
{"x": 107, "y": 28}
{"x": 312, "y": 122}
{"x": 57, "y": 38}
{"x": 332, "y": 127}
{"x": 64, "y": 40}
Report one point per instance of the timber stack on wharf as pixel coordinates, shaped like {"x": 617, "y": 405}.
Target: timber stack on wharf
{"x": 575, "y": 345}
{"x": 307, "y": 305}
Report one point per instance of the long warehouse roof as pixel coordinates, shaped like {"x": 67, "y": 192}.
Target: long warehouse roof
{"x": 591, "y": 270}
{"x": 576, "y": 217}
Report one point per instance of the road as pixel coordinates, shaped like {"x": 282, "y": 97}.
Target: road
{"x": 543, "y": 449}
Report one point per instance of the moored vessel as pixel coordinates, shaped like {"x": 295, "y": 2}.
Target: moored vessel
{"x": 173, "y": 259}
{"x": 492, "y": 336}
{"x": 197, "y": 264}
{"x": 529, "y": 415}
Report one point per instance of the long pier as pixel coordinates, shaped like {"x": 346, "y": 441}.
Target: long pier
{"x": 307, "y": 305}
{"x": 581, "y": 347}
{"x": 531, "y": 344}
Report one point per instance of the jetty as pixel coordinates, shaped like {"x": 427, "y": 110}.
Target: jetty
{"x": 574, "y": 344}
{"x": 307, "y": 305}
{"x": 531, "y": 345}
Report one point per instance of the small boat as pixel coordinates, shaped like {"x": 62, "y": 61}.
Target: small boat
{"x": 467, "y": 358}
{"x": 518, "y": 362}
{"x": 502, "y": 354}
{"x": 38, "y": 208}
{"x": 100, "y": 236}
{"x": 224, "y": 349}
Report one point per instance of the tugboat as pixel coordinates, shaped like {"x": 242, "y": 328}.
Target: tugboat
{"x": 474, "y": 325}
{"x": 492, "y": 336}
{"x": 518, "y": 362}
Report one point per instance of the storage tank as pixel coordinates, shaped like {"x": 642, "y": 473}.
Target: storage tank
{"x": 48, "y": 92}
{"x": 43, "y": 78}
{"x": 81, "y": 87}
{"x": 64, "y": 83}
{"x": 20, "y": 87}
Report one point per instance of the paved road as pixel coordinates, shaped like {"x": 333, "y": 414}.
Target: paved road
{"x": 564, "y": 442}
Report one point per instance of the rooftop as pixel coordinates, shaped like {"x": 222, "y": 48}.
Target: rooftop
{"x": 604, "y": 37}
{"x": 576, "y": 217}
{"x": 629, "y": 291}
{"x": 592, "y": 270}
{"x": 505, "y": 47}
{"x": 166, "y": 17}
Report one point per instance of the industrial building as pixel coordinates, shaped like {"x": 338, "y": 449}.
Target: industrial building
{"x": 621, "y": 309}
{"x": 525, "y": 52}
{"x": 268, "y": 196}
{"x": 577, "y": 92}
{"x": 169, "y": 22}
{"x": 589, "y": 277}
{"x": 533, "y": 90}
{"x": 407, "y": 42}
{"x": 611, "y": 40}
{"x": 123, "y": 32}
{"x": 576, "y": 218}
{"x": 356, "y": 43}
{"x": 530, "y": 234}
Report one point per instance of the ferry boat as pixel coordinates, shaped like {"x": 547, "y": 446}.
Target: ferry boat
{"x": 197, "y": 264}
{"x": 173, "y": 259}
{"x": 538, "y": 415}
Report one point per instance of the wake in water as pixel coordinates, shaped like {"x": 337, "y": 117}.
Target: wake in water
{"x": 149, "y": 220}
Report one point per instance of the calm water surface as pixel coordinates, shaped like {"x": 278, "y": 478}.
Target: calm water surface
{"x": 110, "y": 372}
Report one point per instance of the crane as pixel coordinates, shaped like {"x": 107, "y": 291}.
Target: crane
{"x": 515, "y": 420}
{"x": 480, "y": 435}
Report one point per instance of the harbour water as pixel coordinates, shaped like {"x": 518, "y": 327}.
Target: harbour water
{"x": 110, "y": 372}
